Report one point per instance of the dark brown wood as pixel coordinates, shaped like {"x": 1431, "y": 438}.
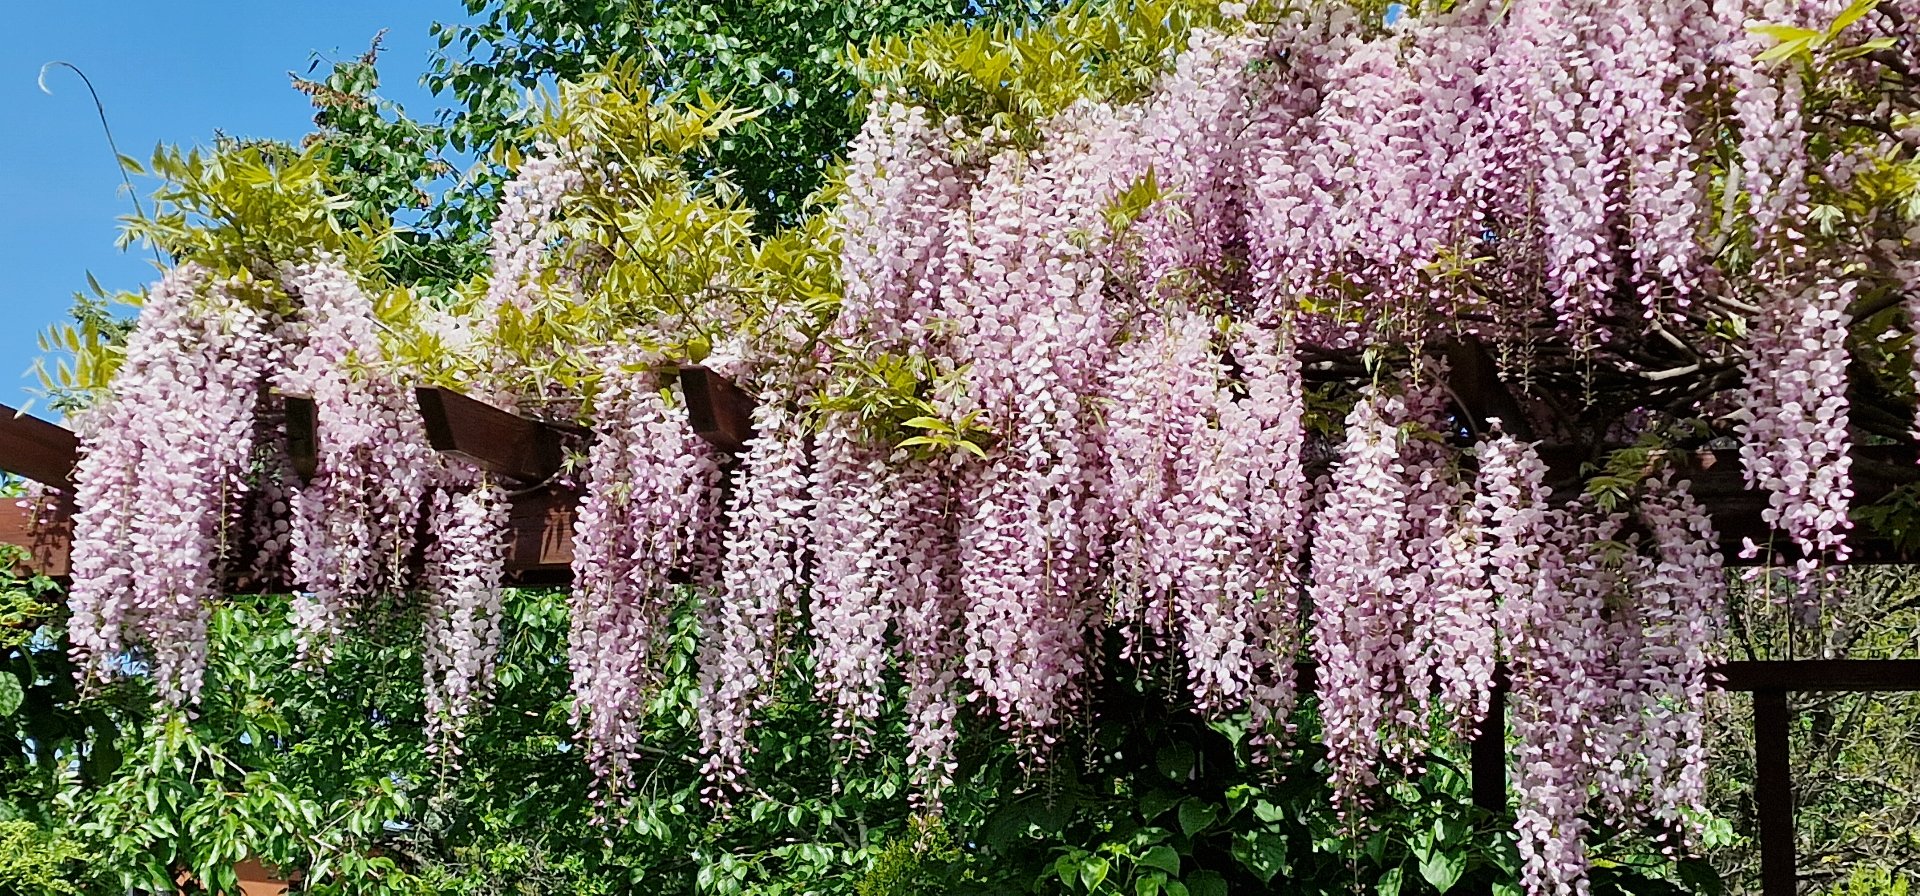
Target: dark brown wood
{"x": 303, "y": 434}
{"x": 1817, "y": 675}
{"x": 504, "y": 444}
{"x": 1717, "y": 481}
{"x": 1773, "y": 792}
{"x": 1475, "y": 380}
{"x": 45, "y": 530}
{"x": 721, "y": 412}
{"x": 1489, "y": 750}
{"x": 36, "y": 449}
{"x": 540, "y": 550}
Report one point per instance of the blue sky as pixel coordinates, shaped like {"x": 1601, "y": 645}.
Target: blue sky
{"x": 172, "y": 73}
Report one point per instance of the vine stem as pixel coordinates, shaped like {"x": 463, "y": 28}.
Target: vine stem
{"x": 119, "y": 161}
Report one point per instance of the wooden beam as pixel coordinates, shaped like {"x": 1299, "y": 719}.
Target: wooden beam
{"x": 1817, "y": 675}
{"x": 504, "y": 444}
{"x": 721, "y": 412}
{"x": 540, "y": 549}
{"x": 36, "y": 449}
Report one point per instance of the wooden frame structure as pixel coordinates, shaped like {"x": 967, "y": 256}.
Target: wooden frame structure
{"x": 532, "y": 454}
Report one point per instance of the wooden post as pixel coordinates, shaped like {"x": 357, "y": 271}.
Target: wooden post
{"x": 1773, "y": 792}
{"x": 303, "y": 435}
{"x": 1489, "y": 759}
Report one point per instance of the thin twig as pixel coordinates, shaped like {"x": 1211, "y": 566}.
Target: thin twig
{"x": 119, "y": 161}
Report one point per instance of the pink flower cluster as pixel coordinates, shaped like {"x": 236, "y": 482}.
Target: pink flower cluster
{"x": 1608, "y": 634}
{"x": 650, "y": 519}
{"x": 354, "y": 520}
{"x": 1795, "y": 446}
{"x": 163, "y": 473}
{"x": 465, "y": 563}
{"x": 746, "y": 625}
{"x": 518, "y": 238}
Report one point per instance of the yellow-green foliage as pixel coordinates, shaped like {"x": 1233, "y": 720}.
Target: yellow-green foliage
{"x": 37, "y": 863}
{"x": 665, "y": 264}
{"x": 1010, "y": 75}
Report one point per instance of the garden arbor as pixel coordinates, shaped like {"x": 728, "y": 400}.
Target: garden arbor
{"x": 530, "y": 453}
{"x": 1461, "y": 352}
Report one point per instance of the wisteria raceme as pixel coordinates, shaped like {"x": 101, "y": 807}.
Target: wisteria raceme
{"x": 1266, "y": 432}
{"x": 925, "y": 590}
{"x": 164, "y": 463}
{"x": 465, "y": 562}
{"x": 746, "y": 623}
{"x": 902, "y": 187}
{"x": 1459, "y": 647}
{"x": 1360, "y": 629}
{"x": 1553, "y": 649}
{"x": 517, "y": 244}
{"x": 353, "y": 521}
{"x": 650, "y": 512}
{"x": 1683, "y": 599}
{"x": 1024, "y": 295}
{"x": 1159, "y": 439}
{"x": 1795, "y": 446}
{"x": 853, "y": 510}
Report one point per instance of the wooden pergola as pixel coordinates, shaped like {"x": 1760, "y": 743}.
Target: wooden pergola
{"x": 530, "y": 453}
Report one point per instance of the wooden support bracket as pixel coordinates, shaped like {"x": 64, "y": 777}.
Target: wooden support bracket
{"x": 36, "y": 449}
{"x": 504, "y": 444}
{"x": 721, "y": 412}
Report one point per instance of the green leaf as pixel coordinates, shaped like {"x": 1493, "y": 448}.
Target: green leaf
{"x": 1207, "y": 883}
{"x": 1162, "y": 857}
{"x": 1093, "y": 872}
{"x": 1195, "y": 816}
{"x": 1262, "y": 852}
{"x": 1700, "y": 877}
{"x": 1175, "y": 761}
{"x": 1854, "y": 12}
{"x": 1786, "y": 50}
{"x": 11, "y": 694}
{"x": 1154, "y": 802}
{"x": 1783, "y": 33}
{"x": 1442, "y": 868}
{"x": 1389, "y": 884}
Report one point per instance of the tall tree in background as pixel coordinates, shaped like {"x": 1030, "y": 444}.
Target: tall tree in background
{"x": 786, "y": 57}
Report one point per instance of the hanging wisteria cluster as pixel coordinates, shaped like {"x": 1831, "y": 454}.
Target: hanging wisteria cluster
{"x": 162, "y": 477}
{"x": 206, "y": 369}
{"x": 1204, "y": 370}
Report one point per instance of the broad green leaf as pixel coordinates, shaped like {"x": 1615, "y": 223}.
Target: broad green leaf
{"x": 1390, "y": 882}
{"x": 1162, "y": 857}
{"x": 1093, "y": 872}
{"x": 1207, "y": 883}
{"x": 1442, "y": 867}
{"x": 1195, "y": 815}
{"x": 11, "y": 694}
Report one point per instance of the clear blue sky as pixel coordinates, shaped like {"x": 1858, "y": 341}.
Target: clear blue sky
{"x": 168, "y": 73}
